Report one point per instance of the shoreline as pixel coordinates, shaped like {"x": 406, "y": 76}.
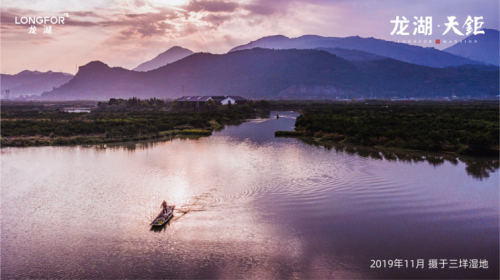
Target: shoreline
{"x": 341, "y": 139}
{"x": 40, "y": 141}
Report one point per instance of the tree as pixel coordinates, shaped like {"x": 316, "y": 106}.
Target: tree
{"x": 176, "y": 105}
{"x": 265, "y": 104}
{"x": 210, "y": 104}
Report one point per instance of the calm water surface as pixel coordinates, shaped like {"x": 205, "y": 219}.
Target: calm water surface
{"x": 250, "y": 206}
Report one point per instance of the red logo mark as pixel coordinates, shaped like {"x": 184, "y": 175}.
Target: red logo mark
{"x": 438, "y": 41}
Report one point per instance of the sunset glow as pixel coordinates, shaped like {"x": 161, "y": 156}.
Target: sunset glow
{"x": 127, "y": 33}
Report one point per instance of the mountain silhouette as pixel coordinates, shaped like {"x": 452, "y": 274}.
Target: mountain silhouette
{"x": 485, "y": 50}
{"x": 277, "y": 74}
{"x": 171, "y": 55}
{"x": 352, "y": 55}
{"x": 399, "y": 51}
{"x": 32, "y": 82}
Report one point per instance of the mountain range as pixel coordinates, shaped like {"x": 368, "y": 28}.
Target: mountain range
{"x": 352, "y": 55}
{"x": 171, "y": 55}
{"x": 273, "y": 67}
{"x": 274, "y": 74}
{"x": 485, "y": 50}
{"x": 32, "y": 82}
{"x": 404, "y": 52}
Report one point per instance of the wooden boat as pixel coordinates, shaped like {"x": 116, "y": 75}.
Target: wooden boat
{"x": 163, "y": 217}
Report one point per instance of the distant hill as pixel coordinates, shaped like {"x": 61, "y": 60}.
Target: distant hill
{"x": 32, "y": 82}
{"x": 485, "y": 50}
{"x": 399, "y": 51}
{"x": 171, "y": 55}
{"x": 352, "y": 55}
{"x": 273, "y": 74}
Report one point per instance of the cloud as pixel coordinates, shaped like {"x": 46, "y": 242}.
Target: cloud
{"x": 83, "y": 14}
{"x": 215, "y": 20}
{"x": 143, "y": 25}
{"x": 74, "y": 22}
{"x": 127, "y": 32}
{"x": 8, "y": 17}
{"x": 171, "y": 22}
{"x": 39, "y": 38}
{"x": 210, "y": 6}
{"x": 188, "y": 29}
{"x": 140, "y": 3}
{"x": 261, "y": 9}
{"x": 267, "y": 8}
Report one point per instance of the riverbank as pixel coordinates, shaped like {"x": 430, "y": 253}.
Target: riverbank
{"x": 329, "y": 139}
{"x": 94, "y": 139}
{"x": 456, "y": 128}
{"x": 40, "y": 124}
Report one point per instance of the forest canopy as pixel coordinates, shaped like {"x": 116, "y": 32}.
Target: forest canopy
{"x": 471, "y": 128}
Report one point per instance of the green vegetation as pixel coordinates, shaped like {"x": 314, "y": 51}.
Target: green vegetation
{"x": 458, "y": 127}
{"x": 215, "y": 125}
{"x": 196, "y": 131}
{"x": 470, "y": 127}
{"x": 288, "y": 133}
{"x": 49, "y": 141}
{"x": 39, "y": 123}
{"x": 168, "y": 133}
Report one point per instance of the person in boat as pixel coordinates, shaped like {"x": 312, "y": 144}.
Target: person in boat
{"x": 164, "y": 205}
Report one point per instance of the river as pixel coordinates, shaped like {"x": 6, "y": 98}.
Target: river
{"x": 249, "y": 205}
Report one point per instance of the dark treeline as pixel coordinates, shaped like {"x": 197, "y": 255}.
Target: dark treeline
{"x": 134, "y": 103}
{"x": 471, "y": 128}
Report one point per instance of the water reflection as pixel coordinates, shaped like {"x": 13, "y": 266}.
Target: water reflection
{"x": 477, "y": 167}
{"x": 142, "y": 144}
{"x": 262, "y": 130}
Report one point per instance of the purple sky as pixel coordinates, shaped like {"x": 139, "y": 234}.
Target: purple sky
{"x": 127, "y": 33}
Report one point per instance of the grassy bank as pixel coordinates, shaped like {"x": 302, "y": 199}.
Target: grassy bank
{"x": 39, "y": 124}
{"x": 92, "y": 140}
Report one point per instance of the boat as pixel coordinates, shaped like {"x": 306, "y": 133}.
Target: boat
{"x": 163, "y": 217}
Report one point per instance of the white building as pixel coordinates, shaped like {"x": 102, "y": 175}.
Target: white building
{"x": 226, "y": 101}
{"x": 234, "y": 100}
